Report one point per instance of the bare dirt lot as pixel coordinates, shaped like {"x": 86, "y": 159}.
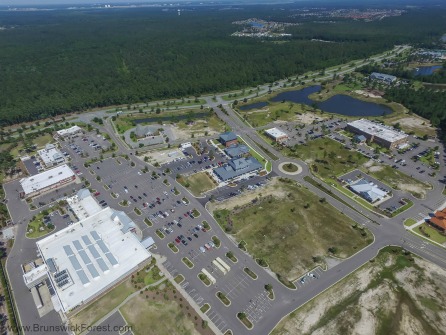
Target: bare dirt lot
{"x": 394, "y": 294}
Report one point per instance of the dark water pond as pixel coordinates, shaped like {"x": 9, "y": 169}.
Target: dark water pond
{"x": 426, "y": 70}
{"x": 338, "y": 104}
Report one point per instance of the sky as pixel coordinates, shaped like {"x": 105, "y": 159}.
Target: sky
{"x": 69, "y": 2}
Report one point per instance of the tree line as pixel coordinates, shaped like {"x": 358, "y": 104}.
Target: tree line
{"x": 62, "y": 61}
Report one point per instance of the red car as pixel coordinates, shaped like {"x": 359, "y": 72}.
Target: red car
{"x": 185, "y": 215}
{"x": 97, "y": 193}
{"x": 177, "y": 240}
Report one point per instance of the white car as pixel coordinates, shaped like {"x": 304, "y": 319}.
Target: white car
{"x": 202, "y": 249}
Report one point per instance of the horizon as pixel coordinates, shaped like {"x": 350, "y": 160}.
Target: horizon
{"x": 15, "y": 3}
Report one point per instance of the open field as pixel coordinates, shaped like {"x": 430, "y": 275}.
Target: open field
{"x": 274, "y": 112}
{"x": 398, "y": 180}
{"x": 147, "y": 316}
{"x": 125, "y": 122}
{"x": 327, "y": 158}
{"x": 393, "y": 294}
{"x": 197, "y": 183}
{"x": 100, "y": 307}
{"x": 286, "y": 225}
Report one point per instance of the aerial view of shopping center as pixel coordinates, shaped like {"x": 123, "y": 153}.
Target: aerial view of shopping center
{"x": 311, "y": 204}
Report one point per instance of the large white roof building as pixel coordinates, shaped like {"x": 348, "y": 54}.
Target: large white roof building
{"x": 88, "y": 257}
{"x": 69, "y": 131}
{"x": 50, "y": 155}
{"x": 375, "y": 132}
{"x": 276, "y": 134}
{"x": 46, "y": 180}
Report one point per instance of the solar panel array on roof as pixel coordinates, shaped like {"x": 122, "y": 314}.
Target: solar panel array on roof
{"x": 82, "y": 277}
{"x": 78, "y": 245}
{"x": 68, "y": 250}
{"x": 94, "y": 273}
{"x": 102, "y": 264}
{"x": 111, "y": 259}
{"x": 107, "y": 253}
{"x": 84, "y": 257}
{"x": 75, "y": 263}
{"x": 95, "y": 235}
{"x": 103, "y": 247}
{"x": 51, "y": 265}
{"x": 86, "y": 240}
{"x": 50, "y": 287}
{"x": 94, "y": 252}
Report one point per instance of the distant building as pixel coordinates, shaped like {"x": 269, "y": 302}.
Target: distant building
{"x": 69, "y": 131}
{"x": 367, "y": 190}
{"x": 237, "y": 167}
{"x": 276, "y": 134}
{"x": 145, "y": 131}
{"x": 374, "y": 132}
{"x": 228, "y": 139}
{"x": 438, "y": 221}
{"x": 51, "y": 156}
{"x": 47, "y": 180}
{"x": 386, "y": 78}
{"x": 235, "y": 151}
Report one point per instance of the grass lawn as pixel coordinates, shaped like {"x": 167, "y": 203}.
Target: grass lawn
{"x": 35, "y": 225}
{"x": 275, "y": 111}
{"x": 304, "y": 227}
{"x": 151, "y": 317}
{"x": 433, "y": 233}
{"x": 399, "y": 181}
{"x": 290, "y": 167}
{"x": 409, "y": 222}
{"x": 327, "y": 158}
{"x": 197, "y": 183}
{"x": 205, "y": 308}
{"x": 100, "y": 307}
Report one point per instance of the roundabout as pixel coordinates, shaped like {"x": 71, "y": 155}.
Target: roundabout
{"x": 290, "y": 168}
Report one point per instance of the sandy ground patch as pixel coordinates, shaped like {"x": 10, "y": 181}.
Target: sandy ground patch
{"x": 164, "y": 156}
{"x": 376, "y": 168}
{"x": 416, "y": 123}
{"x": 368, "y": 94}
{"x": 309, "y": 118}
{"x": 271, "y": 188}
{"x": 412, "y": 188}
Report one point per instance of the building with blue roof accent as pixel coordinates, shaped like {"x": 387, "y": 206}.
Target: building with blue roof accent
{"x": 237, "y": 167}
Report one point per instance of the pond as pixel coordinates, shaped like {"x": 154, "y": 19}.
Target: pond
{"x": 426, "y": 70}
{"x": 338, "y": 104}
{"x": 260, "y": 104}
{"x": 175, "y": 118}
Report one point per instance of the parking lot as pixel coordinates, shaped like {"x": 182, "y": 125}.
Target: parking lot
{"x": 89, "y": 145}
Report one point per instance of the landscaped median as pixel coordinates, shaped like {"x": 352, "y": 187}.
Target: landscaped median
{"x": 231, "y": 256}
{"x": 172, "y": 247}
{"x": 204, "y": 279}
{"x": 251, "y": 273}
{"x": 244, "y": 319}
{"x": 223, "y": 298}
{"x": 188, "y": 262}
